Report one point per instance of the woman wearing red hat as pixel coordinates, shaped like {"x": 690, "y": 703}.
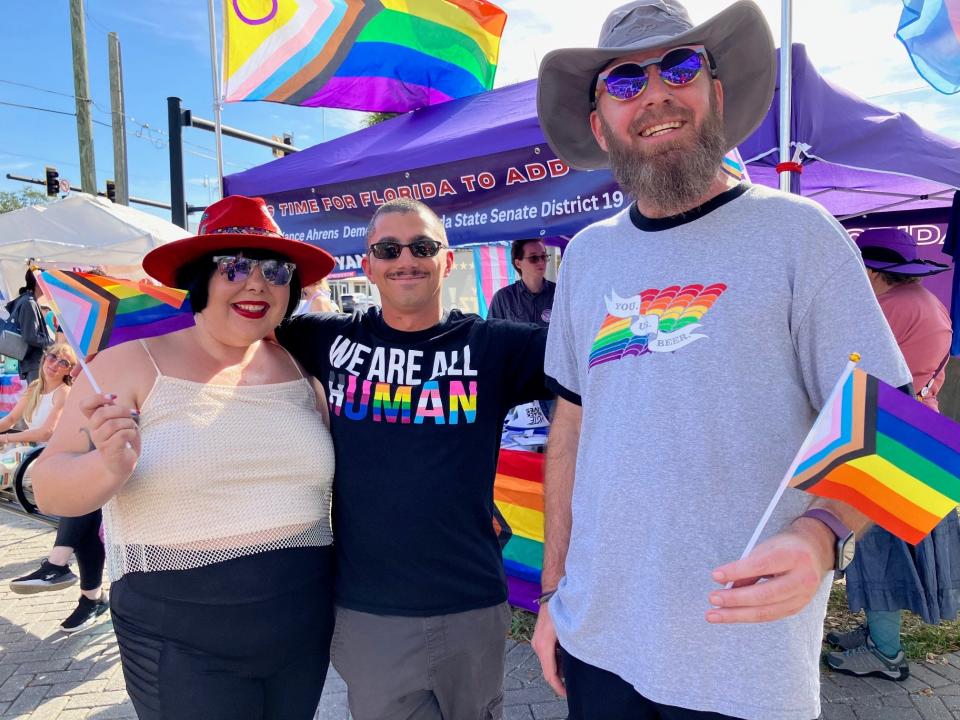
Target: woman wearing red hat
{"x": 214, "y": 465}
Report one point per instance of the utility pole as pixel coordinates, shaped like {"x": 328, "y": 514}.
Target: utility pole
{"x": 81, "y": 88}
{"x": 119, "y": 122}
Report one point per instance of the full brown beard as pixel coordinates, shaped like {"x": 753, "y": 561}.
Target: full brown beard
{"x": 674, "y": 177}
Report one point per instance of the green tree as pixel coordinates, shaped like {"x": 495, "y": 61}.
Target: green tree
{"x": 14, "y": 200}
{"x": 375, "y": 118}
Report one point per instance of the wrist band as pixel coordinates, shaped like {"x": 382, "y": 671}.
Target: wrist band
{"x": 544, "y": 597}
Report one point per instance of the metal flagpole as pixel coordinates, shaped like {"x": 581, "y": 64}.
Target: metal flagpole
{"x": 217, "y": 101}
{"x": 786, "y": 87}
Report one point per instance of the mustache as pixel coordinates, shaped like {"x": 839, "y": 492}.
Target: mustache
{"x": 658, "y": 117}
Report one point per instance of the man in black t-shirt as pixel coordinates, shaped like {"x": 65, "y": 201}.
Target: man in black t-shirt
{"x": 417, "y": 398}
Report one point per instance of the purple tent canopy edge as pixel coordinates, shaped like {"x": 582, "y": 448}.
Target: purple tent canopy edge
{"x": 862, "y": 158}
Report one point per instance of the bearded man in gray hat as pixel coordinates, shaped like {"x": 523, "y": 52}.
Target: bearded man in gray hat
{"x": 694, "y": 338}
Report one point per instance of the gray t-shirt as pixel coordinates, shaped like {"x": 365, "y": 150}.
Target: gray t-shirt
{"x": 700, "y": 351}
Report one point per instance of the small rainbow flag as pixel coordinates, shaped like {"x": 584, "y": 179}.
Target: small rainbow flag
{"x": 97, "y": 312}
{"x": 371, "y": 55}
{"x": 879, "y": 450}
{"x": 930, "y": 31}
{"x": 518, "y": 495}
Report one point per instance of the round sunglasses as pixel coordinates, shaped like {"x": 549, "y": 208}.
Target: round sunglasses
{"x": 391, "y": 249}
{"x": 65, "y": 364}
{"x": 237, "y": 268}
{"x": 677, "y": 67}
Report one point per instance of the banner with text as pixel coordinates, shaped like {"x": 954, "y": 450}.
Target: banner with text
{"x": 516, "y": 194}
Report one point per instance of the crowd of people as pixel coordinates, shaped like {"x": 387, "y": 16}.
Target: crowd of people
{"x": 283, "y": 488}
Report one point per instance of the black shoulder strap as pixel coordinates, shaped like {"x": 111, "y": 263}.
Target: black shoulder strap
{"x": 925, "y": 390}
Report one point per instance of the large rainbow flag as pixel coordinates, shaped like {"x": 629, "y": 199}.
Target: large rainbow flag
{"x": 371, "y": 55}
{"x": 518, "y": 495}
{"x": 930, "y": 31}
{"x": 886, "y": 454}
{"x": 97, "y": 312}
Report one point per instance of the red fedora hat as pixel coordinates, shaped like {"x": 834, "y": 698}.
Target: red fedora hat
{"x": 237, "y": 222}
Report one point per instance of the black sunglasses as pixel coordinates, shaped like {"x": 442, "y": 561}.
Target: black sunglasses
{"x": 391, "y": 249}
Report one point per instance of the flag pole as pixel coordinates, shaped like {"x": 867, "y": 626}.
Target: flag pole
{"x": 786, "y": 88}
{"x": 784, "y": 483}
{"x": 217, "y": 98}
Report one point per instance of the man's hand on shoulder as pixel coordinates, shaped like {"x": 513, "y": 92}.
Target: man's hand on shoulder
{"x": 778, "y": 579}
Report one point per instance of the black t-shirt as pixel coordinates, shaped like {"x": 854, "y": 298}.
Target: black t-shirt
{"x": 416, "y": 420}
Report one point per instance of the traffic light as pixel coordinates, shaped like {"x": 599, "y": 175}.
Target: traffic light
{"x": 53, "y": 182}
{"x": 287, "y": 139}
{"x": 111, "y": 191}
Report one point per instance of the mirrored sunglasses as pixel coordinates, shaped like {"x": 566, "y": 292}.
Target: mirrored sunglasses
{"x": 391, "y": 250}
{"x": 237, "y": 268}
{"x": 677, "y": 67}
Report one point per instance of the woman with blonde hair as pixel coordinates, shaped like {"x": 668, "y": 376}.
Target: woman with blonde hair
{"x": 40, "y": 407}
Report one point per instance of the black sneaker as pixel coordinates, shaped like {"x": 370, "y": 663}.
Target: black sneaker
{"x": 86, "y": 614}
{"x": 47, "y": 577}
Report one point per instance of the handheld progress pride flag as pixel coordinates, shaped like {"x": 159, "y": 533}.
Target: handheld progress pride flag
{"x": 372, "y": 55}
{"x": 884, "y": 453}
{"x": 930, "y": 31}
{"x": 97, "y": 312}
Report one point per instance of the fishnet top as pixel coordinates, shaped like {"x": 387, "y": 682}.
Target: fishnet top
{"x": 224, "y": 472}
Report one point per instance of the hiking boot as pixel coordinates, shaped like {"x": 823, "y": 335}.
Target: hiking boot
{"x": 47, "y": 577}
{"x": 86, "y": 614}
{"x": 867, "y": 660}
{"x": 849, "y": 640}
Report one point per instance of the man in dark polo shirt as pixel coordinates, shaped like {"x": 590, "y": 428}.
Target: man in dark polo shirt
{"x": 529, "y": 299}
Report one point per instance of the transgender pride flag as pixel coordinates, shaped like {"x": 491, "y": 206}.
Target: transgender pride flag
{"x": 930, "y": 30}
{"x": 493, "y": 270}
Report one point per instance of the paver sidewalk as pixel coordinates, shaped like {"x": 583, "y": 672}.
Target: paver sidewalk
{"x": 46, "y": 675}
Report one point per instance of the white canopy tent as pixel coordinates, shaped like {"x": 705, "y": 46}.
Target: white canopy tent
{"x": 80, "y": 231}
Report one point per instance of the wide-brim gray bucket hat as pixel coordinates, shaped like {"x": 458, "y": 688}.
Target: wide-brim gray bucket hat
{"x": 739, "y": 39}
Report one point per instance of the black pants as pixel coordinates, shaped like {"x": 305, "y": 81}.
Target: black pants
{"x": 595, "y": 694}
{"x": 83, "y": 535}
{"x": 249, "y": 657}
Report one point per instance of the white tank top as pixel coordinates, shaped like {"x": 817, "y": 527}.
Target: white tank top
{"x": 223, "y": 472}
{"x": 44, "y": 406}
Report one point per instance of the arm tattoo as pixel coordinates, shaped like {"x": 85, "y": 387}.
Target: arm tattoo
{"x": 90, "y": 446}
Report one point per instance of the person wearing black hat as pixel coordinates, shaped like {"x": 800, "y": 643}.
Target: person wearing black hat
{"x": 889, "y": 575}
{"x": 694, "y": 337}
{"x": 213, "y": 463}
{"x": 25, "y": 312}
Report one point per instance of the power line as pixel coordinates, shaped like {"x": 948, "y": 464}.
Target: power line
{"x": 39, "y": 89}
{"x": 34, "y": 107}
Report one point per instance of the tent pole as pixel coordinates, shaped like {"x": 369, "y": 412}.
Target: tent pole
{"x": 786, "y": 87}
{"x": 217, "y": 103}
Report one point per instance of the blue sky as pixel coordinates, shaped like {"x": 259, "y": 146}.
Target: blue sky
{"x": 165, "y": 49}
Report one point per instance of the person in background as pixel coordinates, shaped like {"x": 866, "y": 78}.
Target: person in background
{"x": 317, "y": 298}
{"x": 889, "y": 575}
{"x": 213, "y": 463}
{"x": 529, "y": 299}
{"x": 25, "y": 312}
{"x": 41, "y": 407}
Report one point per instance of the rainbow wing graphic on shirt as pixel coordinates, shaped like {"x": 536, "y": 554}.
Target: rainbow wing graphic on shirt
{"x": 662, "y": 312}
{"x": 518, "y": 495}
{"x": 96, "y": 312}
{"x": 930, "y": 31}
{"x": 886, "y": 454}
{"x": 371, "y": 55}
